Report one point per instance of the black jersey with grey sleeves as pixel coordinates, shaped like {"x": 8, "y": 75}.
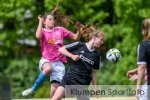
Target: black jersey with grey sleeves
{"x": 80, "y": 71}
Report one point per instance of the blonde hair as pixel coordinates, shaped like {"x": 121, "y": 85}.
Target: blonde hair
{"x": 59, "y": 18}
{"x": 88, "y": 31}
{"x": 146, "y": 29}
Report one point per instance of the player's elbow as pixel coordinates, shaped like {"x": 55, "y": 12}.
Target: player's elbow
{"x": 38, "y": 35}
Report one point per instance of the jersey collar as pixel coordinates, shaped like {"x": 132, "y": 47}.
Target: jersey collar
{"x": 49, "y": 30}
{"x": 90, "y": 49}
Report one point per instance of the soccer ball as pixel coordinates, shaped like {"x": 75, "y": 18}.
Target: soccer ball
{"x": 113, "y": 55}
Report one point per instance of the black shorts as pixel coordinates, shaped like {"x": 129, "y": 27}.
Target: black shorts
{"x": 73, "y": 85}
{"x": 74, "y": 79}
{"x": 67, "y": 81}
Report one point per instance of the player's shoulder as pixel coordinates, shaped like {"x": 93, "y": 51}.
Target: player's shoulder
{"x": 97, "y": 54}
{"x": 145, "y": 43}
{"x": 73, "y": 44}
{"x": 81, "y": 43}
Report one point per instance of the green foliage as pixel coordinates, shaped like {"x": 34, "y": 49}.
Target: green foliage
{"x": 125, "y": 35}
{"x": 119, "y": 19}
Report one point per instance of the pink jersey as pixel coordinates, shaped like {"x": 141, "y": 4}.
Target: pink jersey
{"x": 51, "y": 41}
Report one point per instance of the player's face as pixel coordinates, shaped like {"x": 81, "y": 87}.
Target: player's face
{"x": 49, "y": 22}
{"x": 98, "y": 41}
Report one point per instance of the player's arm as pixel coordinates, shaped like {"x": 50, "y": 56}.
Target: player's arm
{"x": 65, "y": 52}
{"x": 141, "y": 73}
{"x": 141, "y": 63}
{"x": 94, "y": 77}
{"x": 95, "y": 69}
{"x": 141, "y": 67}
{"x": 77, "y": 36}
{"x": 39, "y": 28}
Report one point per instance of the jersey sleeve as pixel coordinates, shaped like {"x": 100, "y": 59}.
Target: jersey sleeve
{"x": 96, "y": 63}
{"x": 66, "y": 33}
{"x": 72, "y": 46}
{"x": 141, "y": 54}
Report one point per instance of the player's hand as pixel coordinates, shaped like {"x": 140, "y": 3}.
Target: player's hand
{"x": 133, "y": 77}
{"x": 78, "y": 25}
{"x": 75, "y": 57}
{"x": 40, "y": 18}
{"x": 131, "y": 72}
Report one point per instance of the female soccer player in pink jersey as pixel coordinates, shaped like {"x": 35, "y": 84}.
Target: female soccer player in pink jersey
{"x": 51, "y": 39}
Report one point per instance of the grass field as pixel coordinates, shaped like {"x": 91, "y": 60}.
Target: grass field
{"x": 102, "y": 98}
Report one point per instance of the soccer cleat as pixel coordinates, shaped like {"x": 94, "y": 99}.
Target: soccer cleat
{"x": 27, "y": 92}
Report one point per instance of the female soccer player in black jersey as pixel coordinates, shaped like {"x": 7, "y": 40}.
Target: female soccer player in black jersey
{"x": 85, "y": 58}
{"x": 144, "y": 58}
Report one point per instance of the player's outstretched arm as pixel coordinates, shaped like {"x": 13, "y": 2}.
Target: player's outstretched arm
{"x": 77, "y": 36}
{"x": 39, "y": 28}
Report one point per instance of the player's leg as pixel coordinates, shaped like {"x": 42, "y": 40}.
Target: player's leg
{"x": 45, "y": 69}
{"x": 60, "y": 92}
{"x": 56, "y": 76}
{"x": 144, "y": 95}
{"x": 53, "y": 88}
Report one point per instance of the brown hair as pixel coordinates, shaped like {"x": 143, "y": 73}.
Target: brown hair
{"x": 59, "y": 18}
{"x": 89, "y": 31}
{"x": 146, "y": 29}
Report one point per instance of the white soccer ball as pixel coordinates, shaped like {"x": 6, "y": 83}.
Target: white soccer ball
{"x": 113, "y": 55}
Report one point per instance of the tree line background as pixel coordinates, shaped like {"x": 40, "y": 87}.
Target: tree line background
{"x": 20, "y": 51}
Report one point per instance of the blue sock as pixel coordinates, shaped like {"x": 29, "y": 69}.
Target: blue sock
{"x": 39, "y": 80}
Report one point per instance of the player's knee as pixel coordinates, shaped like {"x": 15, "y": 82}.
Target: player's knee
{"x": 47, "y": 70}
{"x": 52, "y": 93}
